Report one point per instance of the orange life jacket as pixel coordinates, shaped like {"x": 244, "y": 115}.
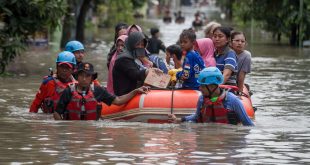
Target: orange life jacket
{"x": 214, "y": 111}
{"x": 50, "y": 103}
{"x": 82, "y": 107}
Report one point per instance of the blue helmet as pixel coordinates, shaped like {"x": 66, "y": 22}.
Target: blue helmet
{"x": 210, "y": 75}
{"x": 66, "y": 57}
{"x": 73, "y": 46}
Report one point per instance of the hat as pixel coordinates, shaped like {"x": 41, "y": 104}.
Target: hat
{"x": 66, "y": 63}
{"x": 88, "y": 68}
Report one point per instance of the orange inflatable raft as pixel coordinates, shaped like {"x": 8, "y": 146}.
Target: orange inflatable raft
{"x": 154, "y": 106}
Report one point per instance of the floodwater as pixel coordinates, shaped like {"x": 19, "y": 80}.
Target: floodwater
{"x": 280, "y": 81}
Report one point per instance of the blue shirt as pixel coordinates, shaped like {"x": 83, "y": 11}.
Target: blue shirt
{"x": 231, "y": 102}
{"x": 192, "y": 65}
{"x": 159, "y": 63}
{"x": 227, "y": 60}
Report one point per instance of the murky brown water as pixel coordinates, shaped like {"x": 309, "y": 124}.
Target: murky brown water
{"x": 280, "y": 79}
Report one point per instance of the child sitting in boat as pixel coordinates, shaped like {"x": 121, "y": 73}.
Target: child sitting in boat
{"x": 192, "y": 64}
{"x": 80, "y": 100}
{"x": 174, "y": 52}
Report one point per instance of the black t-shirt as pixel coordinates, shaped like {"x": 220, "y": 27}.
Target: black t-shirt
{"x": 101, "y": 95}
{"x": 155, "y": 45}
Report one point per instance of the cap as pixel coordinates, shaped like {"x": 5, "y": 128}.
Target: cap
{"x": 65, "y": 63}
{"x": 88, "y": 68}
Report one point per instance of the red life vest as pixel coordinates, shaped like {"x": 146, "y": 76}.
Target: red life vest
{"x": 50, "y": 103}
{"x": 214, "y": 111}
{"x": 82, "y": 107}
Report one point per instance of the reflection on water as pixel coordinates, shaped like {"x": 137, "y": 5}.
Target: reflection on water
{"x": 281, "y": 136}
{"x": 103, "y": 141}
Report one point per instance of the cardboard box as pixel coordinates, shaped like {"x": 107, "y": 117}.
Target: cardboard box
{"x": 157, "y": 79}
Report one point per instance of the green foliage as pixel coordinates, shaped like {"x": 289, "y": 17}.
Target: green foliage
{"x": 138, "y": 3}
{"x": 119, "y": 11}
{"x": 276, "y": 16}
{"x": 114, "y": 11}
{"x": 226, "y": 7}
{"x": 22, "y": 18}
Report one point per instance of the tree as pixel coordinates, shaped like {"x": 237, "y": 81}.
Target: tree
{"x": 80, "y": 25}
{"x": 226, "y": 7}
{"x": 277, "y": 16}
{"x": 119, "y": 11}
{"x": 22, "y": 18}
{"x": 68, "y": 23}
{"x": 74, "y": 21}
{"x": 137, "y": 3}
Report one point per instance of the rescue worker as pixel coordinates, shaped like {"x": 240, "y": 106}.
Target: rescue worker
{"x": 77, "y": 48}
{"x": 80, "y": 100}
{"x": 215, "y": 104}
{"x": 53, "y": 85}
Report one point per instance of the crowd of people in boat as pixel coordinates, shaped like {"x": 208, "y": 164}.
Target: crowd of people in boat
{"x": 74, "y": 93}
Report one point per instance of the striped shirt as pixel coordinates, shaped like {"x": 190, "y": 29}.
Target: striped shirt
{"x": 227, "y": 60}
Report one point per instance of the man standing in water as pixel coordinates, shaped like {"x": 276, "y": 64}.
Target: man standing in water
{"x": 80, "y": 100}
{"x": 77, "y": 48}
{"x": 53, "y": 85}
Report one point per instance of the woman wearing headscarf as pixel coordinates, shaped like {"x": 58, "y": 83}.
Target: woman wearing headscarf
{"x": 120, "y": 29}
{"x": 120, "y": 43}
{"x": 133, "y": 28}
{"x": 127, "y": 74}
{"x": 205, "y": 48}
